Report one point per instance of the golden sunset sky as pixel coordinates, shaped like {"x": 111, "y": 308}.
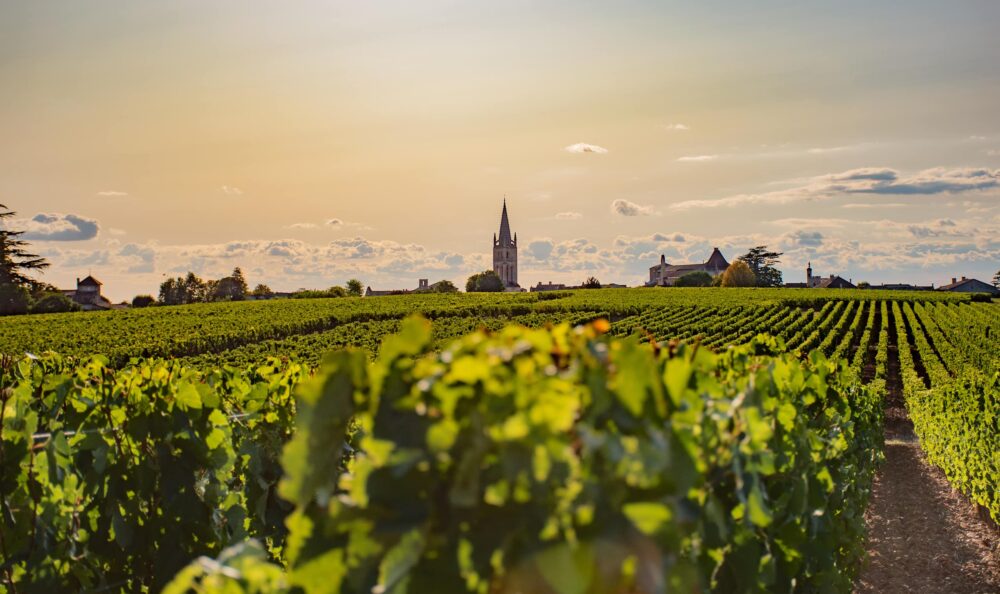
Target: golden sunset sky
{"x": 312, "y": 142}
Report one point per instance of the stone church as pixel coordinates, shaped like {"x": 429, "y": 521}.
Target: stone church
{"x": 505, "y": 254}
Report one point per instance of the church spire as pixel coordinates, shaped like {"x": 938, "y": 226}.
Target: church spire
{"x": 504, "y": 240}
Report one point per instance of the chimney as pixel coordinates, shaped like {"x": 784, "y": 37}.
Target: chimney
{"x": 663, "y": 259}
{"x": 963, "y": 278}
{"x": 831, "y": 277}
{"x": 78, "y": 280}
{"x": 954, "y": 280}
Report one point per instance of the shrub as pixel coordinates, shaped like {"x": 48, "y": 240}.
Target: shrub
{"x": 143, "y": 301}
{"x": 486, "y": 281}
{"x": 694, "y": 279}
{"x": 54, "y": 303}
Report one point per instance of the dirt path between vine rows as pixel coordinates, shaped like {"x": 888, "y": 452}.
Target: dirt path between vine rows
{"x": 923, "y": 536}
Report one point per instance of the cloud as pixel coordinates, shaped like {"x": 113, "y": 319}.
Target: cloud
{"x": 677, "y": 127}
{"x": 627, "y": 208}
{"x": 568, "y": 216}
{"x": 874, "y": 205}
{"x": 334, "y": 223}
{"x": 804, "y": 222}
{"x": 540, "y": 249}
{"x": 231, "y": 191}
{"x": 805, "y": 238}
{"x": 583, "y": 147}
{"x": 141, "y": 258}
{"x": 936, "y": 181}
{"x": 112, "y": 193}
{"x": 870, "y": 180}
{"x": 60, "y": 227}
{"x": 697, "y": 158}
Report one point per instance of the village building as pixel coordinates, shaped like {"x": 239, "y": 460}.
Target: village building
{"x": 969, "y": 285}
{"x": 902, "y": 287}
{"x": 550, "y": 286}
{"x": 505, "y": 254}
{"x": 88, "y": 295}
{"x": 665, "y": 275}
{"x": 423, "y": 286}
{"x": 814, "y": 281}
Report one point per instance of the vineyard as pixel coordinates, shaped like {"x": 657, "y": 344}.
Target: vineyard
{"x": 586, "y": 441}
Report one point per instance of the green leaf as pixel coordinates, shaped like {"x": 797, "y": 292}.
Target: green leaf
{"x": 760, "y": 515}
{"x": 398, "y": 561}
{"x": 187, "y": 396}
{"x": 648, "y": 517}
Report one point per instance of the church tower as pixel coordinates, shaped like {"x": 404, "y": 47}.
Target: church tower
{"x": 505, "y": 252}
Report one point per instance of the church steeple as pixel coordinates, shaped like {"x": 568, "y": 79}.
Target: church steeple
{"x": 505, "y": 252}
{"x": 504, "y": 239}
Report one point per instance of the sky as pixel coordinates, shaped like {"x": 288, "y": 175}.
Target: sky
{"x": 312, "y": 142}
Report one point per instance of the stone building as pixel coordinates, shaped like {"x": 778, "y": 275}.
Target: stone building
{"x": 505, "y": 253}
{"x": 665, "y": 275}
{"x": 969, "y": 285}
{"x": 88, "y": 294}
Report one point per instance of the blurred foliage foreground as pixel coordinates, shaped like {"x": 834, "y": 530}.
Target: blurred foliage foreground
{"x": 555, "y": 460}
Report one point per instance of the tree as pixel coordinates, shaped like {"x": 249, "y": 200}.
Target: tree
{"x": 694, "y": 279}
{"x": 195, "y": 289}
{"x": 864, "y": 285}
{"x": 996, "y": 279}
{"x": 355, "y": 288}
{"x": 15, "y": 261}
{"x": 738, "y": 275}
{"x": 591, "y": 283}
{"x": 486, "y": 281}
{"x": 14, "y": 299}
{"x": 761, "y": 263}
{"x": 54, "y": 303}
{"x": 240, "y": 288}
{"x": 229, "y": 288}
{"x": 444, "y": 286}
{"x": 262, "y": 290}
{"x": 143, "y": 301}
{"x": 181, "y": 290}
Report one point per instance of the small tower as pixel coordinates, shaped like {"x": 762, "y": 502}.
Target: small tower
{"x": 809, "y": 275}
{"x": 505, "y": 252}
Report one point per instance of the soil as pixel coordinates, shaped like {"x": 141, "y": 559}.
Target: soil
{"x": 923, "y": 536}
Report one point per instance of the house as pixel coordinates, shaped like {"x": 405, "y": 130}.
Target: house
{"x": 423, "y": 285}
{"x": 665, "y": 275}
{"x": 88, "y": 295}
{"x": 834, "y": 282}
{"x": 970, "y": 285}
{"x": 830, "y": 282}
{"x": 902, "y": 287}
{"x": 549, "y": 286}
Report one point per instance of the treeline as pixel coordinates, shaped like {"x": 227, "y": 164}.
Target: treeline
{"x": 192, "y": 289}
{"x": 183, "y": 290}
